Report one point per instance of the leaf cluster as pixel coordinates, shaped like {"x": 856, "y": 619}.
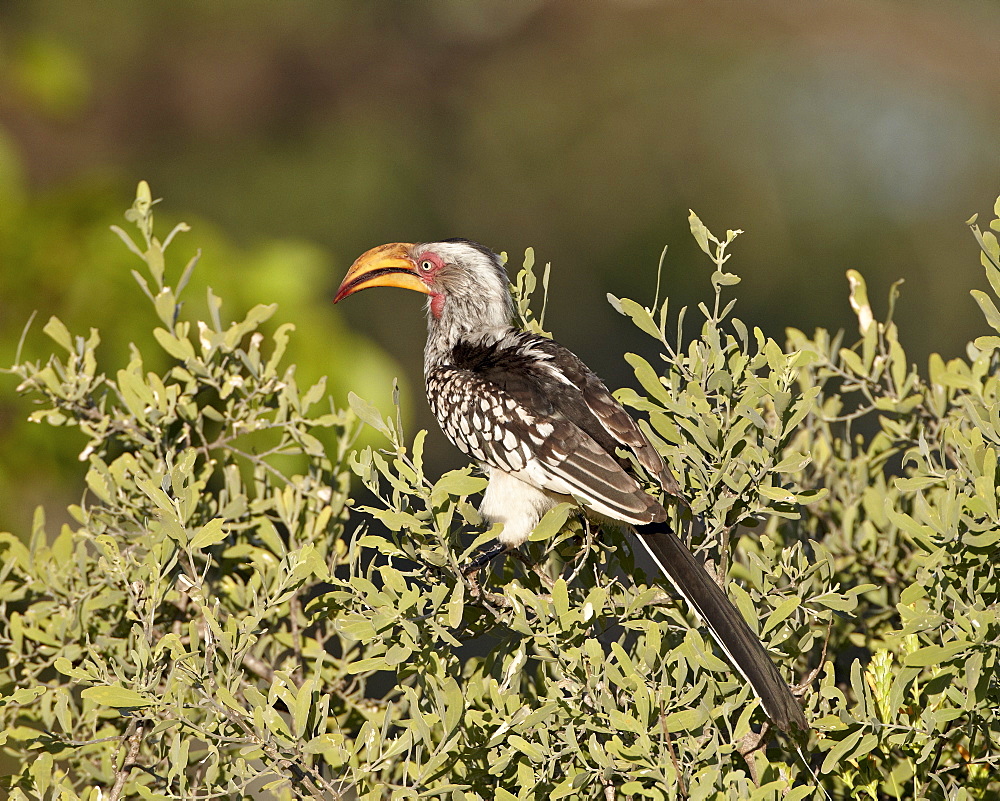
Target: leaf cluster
{"x": 221, "y": 618}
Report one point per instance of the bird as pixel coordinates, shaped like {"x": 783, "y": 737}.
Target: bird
{"x": 546, "y": 429}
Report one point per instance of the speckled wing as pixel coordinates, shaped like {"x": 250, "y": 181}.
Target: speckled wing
{"x": 506, "y": 405}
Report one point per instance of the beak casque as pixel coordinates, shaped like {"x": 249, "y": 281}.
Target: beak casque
{"x": 386, "y": 265}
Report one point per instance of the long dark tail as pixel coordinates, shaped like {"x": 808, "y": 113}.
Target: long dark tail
{"x": 745, "y": 651}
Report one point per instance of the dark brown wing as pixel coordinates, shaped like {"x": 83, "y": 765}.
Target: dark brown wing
{"x": 508, "y": 405}
{"x": 608, "y": 412}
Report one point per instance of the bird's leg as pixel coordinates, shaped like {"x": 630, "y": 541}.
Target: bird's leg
{"x": 484, "y": 559}
{"x": 471, "y": 574}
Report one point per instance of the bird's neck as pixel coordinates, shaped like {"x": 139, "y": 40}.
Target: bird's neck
{"x": 482, "y": 323}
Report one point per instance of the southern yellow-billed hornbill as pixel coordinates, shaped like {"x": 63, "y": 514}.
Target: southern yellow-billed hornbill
{"x": 546, "y": 429}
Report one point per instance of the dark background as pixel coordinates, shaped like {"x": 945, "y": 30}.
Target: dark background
{"x": 295, "y": 135}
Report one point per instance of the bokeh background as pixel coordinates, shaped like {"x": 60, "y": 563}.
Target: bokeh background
{"x": 294, "y": 135}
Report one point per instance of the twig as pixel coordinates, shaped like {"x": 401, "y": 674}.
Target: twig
{"x": 799, "y": 690}
{"x": 133, "y": 734}
{"x": 748, "y": 744}
{"x": 681, "y": 785}
{"x": 258, "y": 667}
{"x": 303, "y": 775}
{"x": 725, "y": 538}
{"x": 81, "y": 743}
{"x": 581, "y": 557}
{"x": 534, "y": 568}
{"x": 295, "y": 608}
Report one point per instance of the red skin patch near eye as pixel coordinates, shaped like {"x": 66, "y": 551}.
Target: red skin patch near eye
{"x": 433, "y": 258}
{"x": 437, "y": 299}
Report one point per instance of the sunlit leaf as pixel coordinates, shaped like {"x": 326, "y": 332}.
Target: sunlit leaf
{"x": 116, "y": 696}
{"x": 211, "y": 533}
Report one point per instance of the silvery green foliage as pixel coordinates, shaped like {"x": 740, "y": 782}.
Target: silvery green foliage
{"x": 157, "y": 645}
{"x": 206, "y": 625}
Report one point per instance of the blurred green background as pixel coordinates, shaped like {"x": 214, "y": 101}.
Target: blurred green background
{"x": 296, "y": 135}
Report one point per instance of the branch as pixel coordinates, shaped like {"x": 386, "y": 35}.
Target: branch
{"x": 134, "y": 733}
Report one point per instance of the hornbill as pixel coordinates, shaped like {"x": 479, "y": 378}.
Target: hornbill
{"x": 546, "y": 429}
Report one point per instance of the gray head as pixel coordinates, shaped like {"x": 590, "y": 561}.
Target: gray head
{"x": 466, "y": 284}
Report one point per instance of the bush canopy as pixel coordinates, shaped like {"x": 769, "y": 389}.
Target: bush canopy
{"x": 222, "y": 619}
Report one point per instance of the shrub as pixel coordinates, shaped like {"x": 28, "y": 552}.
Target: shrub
{"x": 221, "y": 619}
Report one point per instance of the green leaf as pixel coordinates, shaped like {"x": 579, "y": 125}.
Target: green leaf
{"x": 64, "y": 666}
{"x": 915, "y": 483}
{"x": 459, "y": 483}
{"x": 699, "y": 231}
{"x": 987, "y": 539}
{"x": 936, "y": 654}
{"x": 23, "y": 695}
{"x": 136, "y": 393}
{"x": 898, "y": 363}
{"x": 842, "y": 749}
{"x": 988, "y": 308}
{"x": 116, "y": 696}
{"x": 58, "y": 332}
{"x": 778, "y": 494}
{"x": 923, "y": 535}
{"x": 229, "y": 700}
{"x": 792, "y": 463}
{"x": 833, "y": 600}
{"x": 686, "y": 720}
{"x": 530, "y": 750}
{"x": 640, "y": 316}
{"x": 781, "y": 611}
{"x": 552, "y": 522}
{"x": 852, "y": 361}
{"x": 456, "y": 605}
{"x": 303, "y": 705}
{"x": 454, "y": 704}
{"x": 367, "y": 413}
{"x": 720, "y": 278}
{"x": 281, "y": 337}
{"x": 859, "y": 300}
{"x": 179, "y": 348}
{"x": 648, "y": 378}
{"x": 367, "y": 665}
{"x": 396, "y": 521}
{"x": 165, "y": 303}
{"x": 564, "y": 789}
{"x": 211, "y": 533}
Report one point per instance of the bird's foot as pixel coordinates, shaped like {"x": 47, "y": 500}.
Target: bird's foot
{"x": 470, "y": 572}
{"x": 493, "y": 601}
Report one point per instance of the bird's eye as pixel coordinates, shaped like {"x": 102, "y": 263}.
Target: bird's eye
{"x": 426, "y": 265}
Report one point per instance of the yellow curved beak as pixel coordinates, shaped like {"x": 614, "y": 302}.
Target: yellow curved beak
{"x": 387, "y": 265}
